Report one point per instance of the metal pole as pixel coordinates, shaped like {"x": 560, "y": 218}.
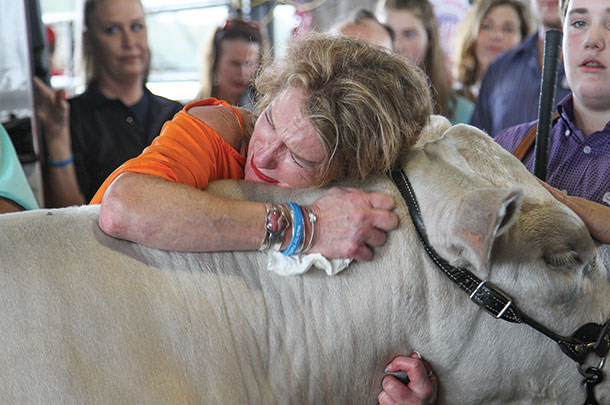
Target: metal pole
{"x": 546, "y": 103}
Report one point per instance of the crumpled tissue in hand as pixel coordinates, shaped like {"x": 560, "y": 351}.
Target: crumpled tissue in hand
{"x": 299, "y": 264}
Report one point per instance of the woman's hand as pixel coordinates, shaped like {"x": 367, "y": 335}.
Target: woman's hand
{"x": 53, "y": 112}
{"x": 421, "y": 388}
{"x": 351, "y": 222}
{"x": 595, "y": 216}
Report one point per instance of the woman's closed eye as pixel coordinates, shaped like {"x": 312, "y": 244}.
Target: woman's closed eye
{"x": 267, "y": 114}
{"x": 304, "y": 163}
{"x": 297, "y": 160}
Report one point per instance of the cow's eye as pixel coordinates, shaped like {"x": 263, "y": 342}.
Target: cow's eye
{"x": 562, "y": 259}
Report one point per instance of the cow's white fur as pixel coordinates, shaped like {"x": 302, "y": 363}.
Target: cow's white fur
{"x": 87, "y": 318}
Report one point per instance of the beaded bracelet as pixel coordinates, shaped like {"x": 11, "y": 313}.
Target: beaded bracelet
{"x": 61, "y": 163}
{"x": 297, "y": 229}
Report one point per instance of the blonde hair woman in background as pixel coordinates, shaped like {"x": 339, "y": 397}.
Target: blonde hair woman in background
{"x": 489, "y": 28}
{"x": 416, "y": 37}
{"x": 90, "y": 135}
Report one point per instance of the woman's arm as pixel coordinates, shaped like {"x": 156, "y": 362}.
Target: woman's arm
{"x": 166, "y": 215}
{"x": 595, "y": 216}
{"x": 161, "y": 214}
{"x": 53, "y": 112}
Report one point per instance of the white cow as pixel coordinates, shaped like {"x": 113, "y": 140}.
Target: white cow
{"x": 85, "y": 318}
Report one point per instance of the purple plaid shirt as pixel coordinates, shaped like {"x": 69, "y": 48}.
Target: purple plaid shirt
{"x": 578, "y": 164}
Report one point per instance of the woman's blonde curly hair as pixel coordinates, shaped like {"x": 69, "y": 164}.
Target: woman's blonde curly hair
{"x": 367, "y": 106}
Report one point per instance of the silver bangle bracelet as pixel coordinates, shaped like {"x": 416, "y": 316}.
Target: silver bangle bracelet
{"x": 312, "y": 220}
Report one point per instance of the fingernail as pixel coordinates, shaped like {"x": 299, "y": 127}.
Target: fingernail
{"x": 388, "y": 368}
{"x": 419, "y": 356}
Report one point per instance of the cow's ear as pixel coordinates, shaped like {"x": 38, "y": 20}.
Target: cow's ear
{"x": 483, "y": 215}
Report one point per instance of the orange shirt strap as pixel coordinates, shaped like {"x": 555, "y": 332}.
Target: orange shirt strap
{"x": 213, "y": 101}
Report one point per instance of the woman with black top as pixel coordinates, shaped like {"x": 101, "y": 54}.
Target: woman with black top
{"x": 90, "y": 135}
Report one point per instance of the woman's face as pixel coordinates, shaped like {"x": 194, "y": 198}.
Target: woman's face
{"x": 284, "y": 148}
{"x": 586, "y": 35}
{"x": 237, "y": 63}
{"x": 411, "y": 39}
{"x": 117, "y": 39}
{"x": 500, "y": 31}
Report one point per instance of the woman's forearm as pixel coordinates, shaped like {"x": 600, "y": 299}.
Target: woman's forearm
{"x": 161, "y": 214}
{"x": 158, "y": 213}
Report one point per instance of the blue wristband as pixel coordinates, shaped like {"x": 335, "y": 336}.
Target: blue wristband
{"x": 62, "y": 163}
{"x": 297, "y": 229}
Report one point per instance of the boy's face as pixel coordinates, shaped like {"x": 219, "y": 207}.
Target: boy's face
{"x": 586, "y": 36}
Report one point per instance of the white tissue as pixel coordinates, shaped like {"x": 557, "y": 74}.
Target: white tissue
{"x": 299, "y": 264}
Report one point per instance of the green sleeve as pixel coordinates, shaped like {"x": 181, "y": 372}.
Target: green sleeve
{"x": 13, "y": 184}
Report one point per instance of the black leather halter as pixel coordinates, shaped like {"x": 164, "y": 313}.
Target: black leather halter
{"x": 590, "y": 338}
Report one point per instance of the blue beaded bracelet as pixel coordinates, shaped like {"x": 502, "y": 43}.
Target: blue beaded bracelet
{"x": 297, "y": 229}
{"x": 61, "y": 163}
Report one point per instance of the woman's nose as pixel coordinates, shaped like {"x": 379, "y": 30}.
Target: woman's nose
{"x": 497, "y": 34}
{"x": 128, "y": 38}
{"x": 266, "y": 157}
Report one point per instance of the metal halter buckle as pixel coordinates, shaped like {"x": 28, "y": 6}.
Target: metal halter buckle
{"x": 499, "y": 303}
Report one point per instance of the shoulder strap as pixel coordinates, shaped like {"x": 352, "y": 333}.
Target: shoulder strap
{"x": 528, "y": 140}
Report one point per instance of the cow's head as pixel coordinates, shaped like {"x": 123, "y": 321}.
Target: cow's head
{"x": 483, "y": 210}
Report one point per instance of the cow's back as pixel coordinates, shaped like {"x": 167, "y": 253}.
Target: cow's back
{"x": 86, "y": 317}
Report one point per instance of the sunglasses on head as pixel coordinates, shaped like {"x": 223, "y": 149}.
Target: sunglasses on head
{"x": 238, "y": 23}
{"x": 236, "y": 28}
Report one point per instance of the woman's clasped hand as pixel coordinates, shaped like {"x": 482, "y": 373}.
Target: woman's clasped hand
{"x": 352, "y": 222}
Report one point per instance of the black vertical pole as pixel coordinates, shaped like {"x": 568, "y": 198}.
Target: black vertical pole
{"x": 546, "y": 103}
